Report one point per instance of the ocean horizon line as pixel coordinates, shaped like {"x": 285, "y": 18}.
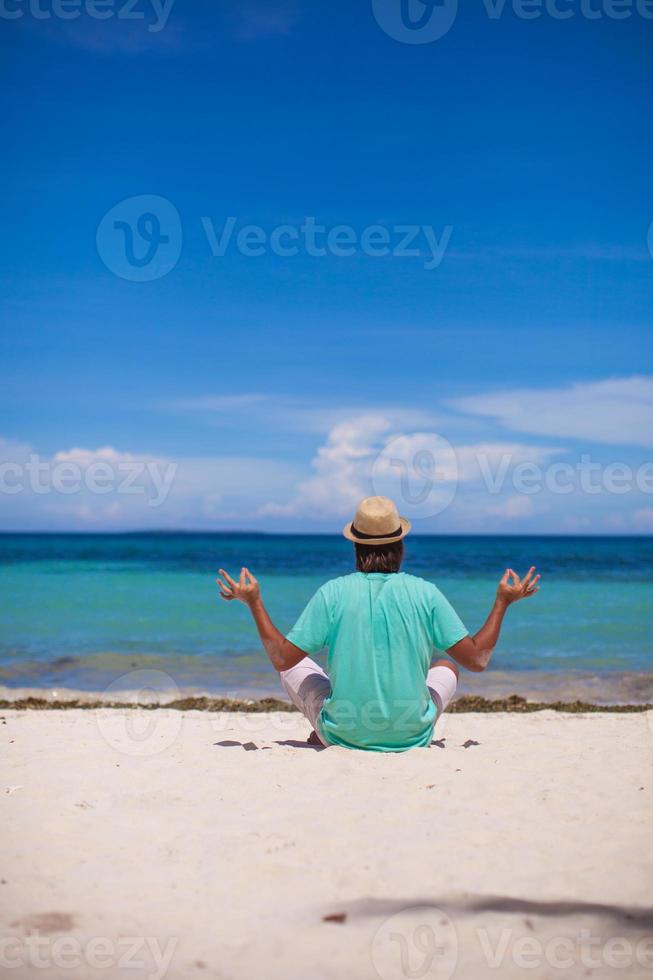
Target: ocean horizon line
{"x": 250, "y": 532}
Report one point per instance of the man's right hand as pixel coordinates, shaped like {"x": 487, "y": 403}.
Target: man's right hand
{"x": 474, "y": 652}
{"x": 512, "y": 588}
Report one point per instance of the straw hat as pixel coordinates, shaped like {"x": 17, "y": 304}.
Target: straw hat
{"x": 377, "y": 521}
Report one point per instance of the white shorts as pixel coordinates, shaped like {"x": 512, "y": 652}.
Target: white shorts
{"x": 308, "y": 687}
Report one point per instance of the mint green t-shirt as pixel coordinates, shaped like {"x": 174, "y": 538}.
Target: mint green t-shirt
{"x": 380, "y": 632}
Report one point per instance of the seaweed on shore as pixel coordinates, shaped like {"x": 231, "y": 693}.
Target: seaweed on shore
{"x": 519, "y": 705}
{"x": 464, "y": 704}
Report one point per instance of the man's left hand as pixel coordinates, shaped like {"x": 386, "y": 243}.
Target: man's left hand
{"x": 245, "y": 590}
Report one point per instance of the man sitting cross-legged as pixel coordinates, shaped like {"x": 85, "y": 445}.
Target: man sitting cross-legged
{"x": 382, "y": 689}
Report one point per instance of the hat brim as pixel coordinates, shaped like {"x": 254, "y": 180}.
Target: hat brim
{"x": 372, "y": 542}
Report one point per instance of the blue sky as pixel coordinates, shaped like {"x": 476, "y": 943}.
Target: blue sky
{"x": 271, "y": 383}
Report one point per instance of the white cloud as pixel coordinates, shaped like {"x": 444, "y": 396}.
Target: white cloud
{"x": 514, "y": 508}
{"x": 364, "y": 456}
{"x": 489, "y": 461}
{"x": 342, "y": 468}
{"x": 471, "y": 486}
{"x": 616, "y": 411}
{"x": 108, "y": 489}
{"x": 105, "y": 454}
{"x": 309, "y": 418}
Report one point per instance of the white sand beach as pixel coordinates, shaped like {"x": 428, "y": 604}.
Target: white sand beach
{"x": 219, "y": 845}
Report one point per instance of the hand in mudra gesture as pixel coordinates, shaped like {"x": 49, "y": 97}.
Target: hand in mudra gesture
{"x": 512, "y": 588}
{"x": 246, "y": 589}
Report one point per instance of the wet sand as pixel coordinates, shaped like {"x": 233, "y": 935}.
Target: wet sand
{"x": 607, "y": 688}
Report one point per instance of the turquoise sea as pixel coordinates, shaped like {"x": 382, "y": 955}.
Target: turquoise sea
{"x": 82, "y": 610}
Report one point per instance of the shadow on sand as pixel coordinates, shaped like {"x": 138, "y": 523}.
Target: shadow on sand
{"x": 312, "y": 742}
{"x": 625, "y": 916}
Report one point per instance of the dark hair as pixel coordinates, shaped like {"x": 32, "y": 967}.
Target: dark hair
{"x": 379, "y": 557}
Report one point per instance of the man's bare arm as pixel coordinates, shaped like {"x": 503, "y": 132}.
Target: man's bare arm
{"x": 282, "y": 654}
{"x": 474, "y": 652}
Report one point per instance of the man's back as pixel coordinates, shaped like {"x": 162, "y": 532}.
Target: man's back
{"x": 380, "y": 627}
{"x": 380, "y": 631}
